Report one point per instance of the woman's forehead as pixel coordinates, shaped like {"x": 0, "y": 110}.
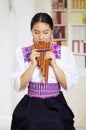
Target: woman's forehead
{"x": 41, "y": 25}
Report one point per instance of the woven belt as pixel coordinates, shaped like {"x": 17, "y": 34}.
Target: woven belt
{"x": 43, "y": 90}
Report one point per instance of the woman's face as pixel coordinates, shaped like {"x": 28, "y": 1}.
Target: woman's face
{"x": 41, "y": 32}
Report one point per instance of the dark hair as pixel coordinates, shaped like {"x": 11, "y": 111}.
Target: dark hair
{"x": 42, "y": 17}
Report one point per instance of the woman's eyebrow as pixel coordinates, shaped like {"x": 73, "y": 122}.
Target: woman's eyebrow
{"x": 46, "y": 30}
{"x": 36, "y": 30}
{"x": 43, "y": 30}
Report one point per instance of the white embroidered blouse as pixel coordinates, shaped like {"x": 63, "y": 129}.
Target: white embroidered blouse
{"x": 64, "y": 59}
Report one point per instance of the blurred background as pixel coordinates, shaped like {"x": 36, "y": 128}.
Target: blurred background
{"x": 15, "y": 17}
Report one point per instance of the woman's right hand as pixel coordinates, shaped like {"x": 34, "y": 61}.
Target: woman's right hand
{"x": 33, "y": 57}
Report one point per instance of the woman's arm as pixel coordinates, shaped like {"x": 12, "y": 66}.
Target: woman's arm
{"x": 67, "y": 74}
{"x": 26, "y": 76}
{"x": 60, "y": 76}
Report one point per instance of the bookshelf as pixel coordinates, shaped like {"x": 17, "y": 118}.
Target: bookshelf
{"x": 59, "y": 12}
{"x": 78, "y": 28}
{"x": 69, "y": 18}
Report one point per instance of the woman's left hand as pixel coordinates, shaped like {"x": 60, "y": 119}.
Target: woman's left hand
{"x": 50, "y": 55}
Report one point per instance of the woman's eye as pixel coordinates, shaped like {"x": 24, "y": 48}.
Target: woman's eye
{"x": 45, "y": 32}
{"x": 36, "y": 32}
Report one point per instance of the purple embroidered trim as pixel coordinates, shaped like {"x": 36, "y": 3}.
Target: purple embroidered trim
{"x": 43, "y": 90}
{"x": 56, "y": 48}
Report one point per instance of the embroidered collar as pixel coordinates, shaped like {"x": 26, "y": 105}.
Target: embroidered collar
{"x": 56, "y": 48}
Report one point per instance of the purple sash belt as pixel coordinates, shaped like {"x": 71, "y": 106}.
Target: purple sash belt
{"x": 43, "y": 90}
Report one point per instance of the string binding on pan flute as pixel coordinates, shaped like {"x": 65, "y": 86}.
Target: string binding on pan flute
{"x": 41, "y": 62}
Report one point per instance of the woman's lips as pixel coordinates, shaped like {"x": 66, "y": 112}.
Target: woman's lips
{"x": 41, "y": 41}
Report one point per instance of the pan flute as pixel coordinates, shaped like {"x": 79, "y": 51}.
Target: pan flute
{"x": 41, "y": 62}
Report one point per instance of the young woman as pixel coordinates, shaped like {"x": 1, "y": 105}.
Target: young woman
{"x": 44, "y": 106}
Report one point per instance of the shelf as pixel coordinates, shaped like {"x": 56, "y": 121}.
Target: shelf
{"x": 78, "y": 10}
{"x": 56, "y": 25}
{"x": 79, "y": 39}
{"x": 80, "y": 54}
{"x": 59, "y": 10}
{"x": 60, "y": 39}
{"x": 62, "y": 42}
{"x": 78, "y": 24}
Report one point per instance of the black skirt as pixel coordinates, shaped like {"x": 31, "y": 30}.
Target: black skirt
{"x": 42, "y": 114}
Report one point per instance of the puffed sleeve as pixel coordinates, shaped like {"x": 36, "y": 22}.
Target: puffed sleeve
{"x": 17, "y": 70}
{"x": 69, "y": 67}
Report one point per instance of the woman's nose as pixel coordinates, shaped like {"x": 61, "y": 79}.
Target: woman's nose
{"x": 40, "y": 36}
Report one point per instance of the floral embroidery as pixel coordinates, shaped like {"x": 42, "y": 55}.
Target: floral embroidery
{"x": 56, "y": 48}
{"x": 26, "y": 53}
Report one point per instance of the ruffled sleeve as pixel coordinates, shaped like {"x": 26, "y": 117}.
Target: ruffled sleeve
{"x": 69, "y": 67}
{"x": 18, "y": 69}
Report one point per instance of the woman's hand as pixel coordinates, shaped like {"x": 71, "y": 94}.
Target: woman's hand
{"x": 33, "y": 57}
{"x": 50, "y": 55}
{"x": 60, "y": 75}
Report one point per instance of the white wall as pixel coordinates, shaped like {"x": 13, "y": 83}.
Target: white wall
{"x": 5, "y": 91}
{"x": 76, "y": 99}
{"x": 15, "y": 31}
{"x": 43, "y": 6}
